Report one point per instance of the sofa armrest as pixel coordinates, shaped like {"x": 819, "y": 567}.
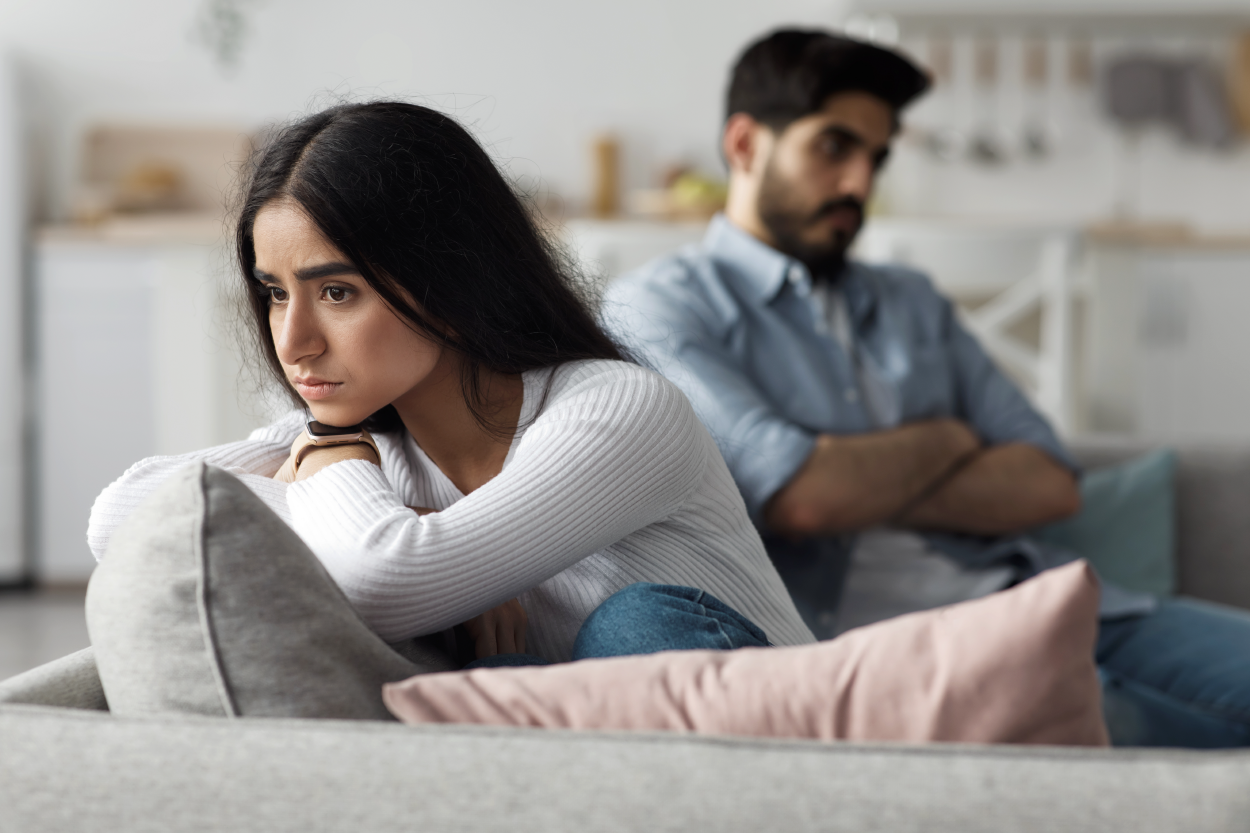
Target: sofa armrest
{"x": 1212, "y": 517}
{"x": 70, "y": 682}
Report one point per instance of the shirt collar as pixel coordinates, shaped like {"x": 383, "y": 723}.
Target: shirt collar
{"x": 758, "y": 268}
{"x": 763, "y": 271}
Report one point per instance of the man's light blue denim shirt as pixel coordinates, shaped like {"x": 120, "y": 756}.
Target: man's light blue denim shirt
{"x": 733, "y": 323}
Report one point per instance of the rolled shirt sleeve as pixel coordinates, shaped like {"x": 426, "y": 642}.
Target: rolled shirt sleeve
{"x": 990, "y": 402}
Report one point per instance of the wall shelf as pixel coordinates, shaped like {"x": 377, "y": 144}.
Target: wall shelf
{"x": 1062, "y": 19}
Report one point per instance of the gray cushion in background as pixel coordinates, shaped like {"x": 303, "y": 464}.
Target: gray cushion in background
{"x": 71, "y": 771}
{"x": 70, "y": 682}
{"x": 207, "y": 603}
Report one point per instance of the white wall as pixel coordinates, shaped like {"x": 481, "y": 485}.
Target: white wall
{"x": 535, "y": 78}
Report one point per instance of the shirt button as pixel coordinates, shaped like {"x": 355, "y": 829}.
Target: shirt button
{"x": 795, "y": 274}
{"x": 852, "y": 395}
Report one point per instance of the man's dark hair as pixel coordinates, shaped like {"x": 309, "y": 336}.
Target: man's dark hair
{"x": 790, "y": 73}
{"x": 422, "y": 212}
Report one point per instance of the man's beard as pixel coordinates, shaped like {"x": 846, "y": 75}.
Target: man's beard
{"x": 786, "y": 221}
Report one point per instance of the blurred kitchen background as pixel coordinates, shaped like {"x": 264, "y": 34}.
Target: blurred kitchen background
{"x": 1079, "y": 180}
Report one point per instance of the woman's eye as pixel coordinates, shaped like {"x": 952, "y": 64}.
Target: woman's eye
{"x": 337, "y": 293}
{"x": 276, "y": 294}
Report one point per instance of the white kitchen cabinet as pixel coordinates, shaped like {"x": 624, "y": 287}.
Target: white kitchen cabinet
{"x": 1169, "y": 341}
{"x": 607, "y": 249}
{"x": 134, "y": 357}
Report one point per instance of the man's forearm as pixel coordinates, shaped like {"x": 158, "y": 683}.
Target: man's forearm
{"x": 853, "y": 482}
{"x": 1004, "y": 489}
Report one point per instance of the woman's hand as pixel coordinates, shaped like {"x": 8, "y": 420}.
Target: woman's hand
{"x": 500, "y": 630}
{"x": 317, "y": 458}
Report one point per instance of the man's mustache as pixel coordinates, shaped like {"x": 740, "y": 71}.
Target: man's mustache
{"x": 839, "y": 204}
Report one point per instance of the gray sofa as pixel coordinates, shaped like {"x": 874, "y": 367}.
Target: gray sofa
{"x": 71, "y": 769}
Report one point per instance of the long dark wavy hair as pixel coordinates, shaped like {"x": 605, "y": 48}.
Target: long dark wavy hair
{"x": 423, "y": 213}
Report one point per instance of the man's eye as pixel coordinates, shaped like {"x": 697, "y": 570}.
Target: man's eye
{"x": 833, "y": 147}
{"x": 337, "y": 293}
{"x": 276, "y": 293}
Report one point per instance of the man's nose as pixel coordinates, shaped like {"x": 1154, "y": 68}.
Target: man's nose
{"x": 858, "y": 176}
{"x": 296, "y": 335}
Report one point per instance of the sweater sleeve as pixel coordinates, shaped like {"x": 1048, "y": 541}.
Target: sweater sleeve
{"x": 614, "y": 450}
{"x": 253, "y": 461}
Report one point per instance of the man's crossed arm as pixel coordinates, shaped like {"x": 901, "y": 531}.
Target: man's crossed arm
{"x": 926, "y": 475}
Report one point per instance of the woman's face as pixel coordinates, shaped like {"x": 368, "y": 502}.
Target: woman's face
{"x": 345, "y": 351}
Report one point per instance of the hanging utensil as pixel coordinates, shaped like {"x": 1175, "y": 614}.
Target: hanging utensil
{"x": 1036, "y": 134}
{"x": 942, "y": 141}
{"x": 986, "y": 147}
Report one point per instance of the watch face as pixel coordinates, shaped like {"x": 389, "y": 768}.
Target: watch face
{"x": 320, "y": 429}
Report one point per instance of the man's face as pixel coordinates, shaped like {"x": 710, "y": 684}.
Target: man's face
{"x": 819, "y": 175}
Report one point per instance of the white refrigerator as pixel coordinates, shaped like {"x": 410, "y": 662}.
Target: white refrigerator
{"x": 13, "y": 300}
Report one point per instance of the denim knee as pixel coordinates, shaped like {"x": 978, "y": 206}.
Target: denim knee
{"x": 645, "y": 618}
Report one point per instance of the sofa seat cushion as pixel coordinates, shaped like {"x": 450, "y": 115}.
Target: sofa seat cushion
{"x": 1013, "y": 667}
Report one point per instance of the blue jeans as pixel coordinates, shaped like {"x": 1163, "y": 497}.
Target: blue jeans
{"x": 646, "y": 618}
{"x": 1177, "y": 677}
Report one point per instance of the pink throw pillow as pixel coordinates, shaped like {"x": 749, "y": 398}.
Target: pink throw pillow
{"x": 1013, "y": 667}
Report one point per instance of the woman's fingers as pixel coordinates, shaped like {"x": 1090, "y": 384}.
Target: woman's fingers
{"x": 500, "y": 630}
{"x": 287, "y": 472}
{"x": 485, "y": 643}
{"x": 519, "y": 622}
{"x": 505, "y": 635}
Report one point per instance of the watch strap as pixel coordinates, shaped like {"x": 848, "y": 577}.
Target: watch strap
{"x": 304, "y": 443}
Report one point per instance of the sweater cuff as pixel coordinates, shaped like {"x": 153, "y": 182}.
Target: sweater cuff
{"x": 350, "y": 484}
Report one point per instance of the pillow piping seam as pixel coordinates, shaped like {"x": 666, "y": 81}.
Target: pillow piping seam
{"x": 201, "y": 598}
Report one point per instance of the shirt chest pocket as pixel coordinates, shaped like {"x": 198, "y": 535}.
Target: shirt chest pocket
{"x": 926, "y": 385}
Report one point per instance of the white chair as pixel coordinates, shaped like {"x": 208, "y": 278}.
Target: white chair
{"x": 1000, "y": 274}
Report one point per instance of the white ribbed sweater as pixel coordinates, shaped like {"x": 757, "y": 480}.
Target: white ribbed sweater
{"x": 615, "y": 482}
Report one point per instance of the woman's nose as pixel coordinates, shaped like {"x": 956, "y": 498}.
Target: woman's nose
{"x": 296, "y": 336}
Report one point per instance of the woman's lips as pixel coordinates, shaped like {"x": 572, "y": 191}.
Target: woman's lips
{"x": 315, "y": 388}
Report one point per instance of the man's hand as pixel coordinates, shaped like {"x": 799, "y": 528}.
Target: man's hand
{"x": 500, "y": 630}
{"x": 854, "y": 482}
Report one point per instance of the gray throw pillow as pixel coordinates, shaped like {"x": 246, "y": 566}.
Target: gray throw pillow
{"x": 207, "y": 603}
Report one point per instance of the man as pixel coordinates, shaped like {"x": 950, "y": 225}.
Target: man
{"x": 888, "y": 463}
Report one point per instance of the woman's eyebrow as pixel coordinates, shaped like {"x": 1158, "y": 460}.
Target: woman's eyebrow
{"x": 310, "y": 273}
{"x": 325, "y": 270}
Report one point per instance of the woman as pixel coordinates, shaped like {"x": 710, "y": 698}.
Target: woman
{"x": 507, "y": 450}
